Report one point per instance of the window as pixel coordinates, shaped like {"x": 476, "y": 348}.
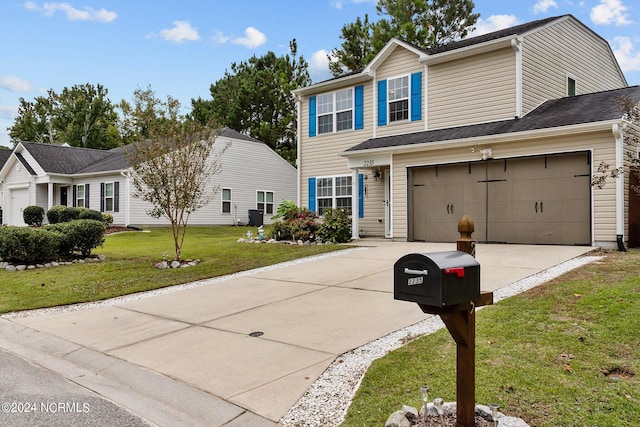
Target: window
{"x": 398, "y": 99}
{"x": 571, "y": 86}
{"x": 108, "y": 197}
{"x": 333, "y": 192}
{"x": 80, "y": 199}
{"x": 339, "y": 112}
{"x": 226, "y": 200}
{"x": 265, "y": 202}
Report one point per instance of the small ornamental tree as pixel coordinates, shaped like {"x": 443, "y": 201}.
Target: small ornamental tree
{"x": 173, "y": 170}
{"x": 631, "y": 137}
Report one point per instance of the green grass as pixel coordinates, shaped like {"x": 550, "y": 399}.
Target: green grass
{"x": 542, "y": 355}
{"x": 128, "y": 268}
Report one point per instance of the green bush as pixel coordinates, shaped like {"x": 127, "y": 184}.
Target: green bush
{"x": 335, "y": 227}
{"x": 71, "y": 213}
{"x": 91, "y": 214}
{"x": 54, "y": 215}
{"x": 33, "y": 216}
{"x": 79, "y": 236}
{"x": 107, "y": 218}
{"x": 28, "y": 245}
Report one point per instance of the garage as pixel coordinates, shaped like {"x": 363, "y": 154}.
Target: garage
{"x": 526, "y": 200}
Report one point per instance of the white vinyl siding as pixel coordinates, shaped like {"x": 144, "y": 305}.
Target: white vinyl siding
{"x": 547, "y": 60}
{"x": 476, "y": 89}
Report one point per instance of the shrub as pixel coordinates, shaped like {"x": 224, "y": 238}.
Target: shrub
{"x": 33, "y": 216}
{"x": 335, "y": 227}
{"x": 79, "y": 236}
{"x": 28, "y": 245}
{"x": 293, "y": 222}
{"x": 107, "y": 218}
{"x": 70, "y": 213}
{"x": 54, "y": 215}
{"x": 91, "y": 214}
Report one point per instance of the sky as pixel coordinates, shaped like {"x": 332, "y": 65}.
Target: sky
{"x": 180, "y": 48}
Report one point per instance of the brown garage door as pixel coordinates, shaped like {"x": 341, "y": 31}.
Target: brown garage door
{"x": 535, "y": 200}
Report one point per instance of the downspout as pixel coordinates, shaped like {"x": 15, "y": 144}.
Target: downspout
{"x": 298, "y": 163}
{"x": 618, "y": 133}
{"x": 127, "y": 218}
{"x": 355, "y": 206}
{"x": 516, "y": 43}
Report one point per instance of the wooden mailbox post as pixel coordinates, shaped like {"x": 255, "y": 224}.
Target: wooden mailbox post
{"x": 460, "y": 320}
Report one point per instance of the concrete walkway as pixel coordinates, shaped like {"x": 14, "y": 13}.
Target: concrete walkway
{"x": 191, "y": 352}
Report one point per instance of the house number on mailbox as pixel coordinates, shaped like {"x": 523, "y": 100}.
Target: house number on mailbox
{"x": 412, "y": 281}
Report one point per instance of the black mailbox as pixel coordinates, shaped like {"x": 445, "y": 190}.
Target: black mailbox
{"x": 437, "y": 279}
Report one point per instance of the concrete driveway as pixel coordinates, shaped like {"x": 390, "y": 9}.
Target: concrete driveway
{"x": 305, "y": 313}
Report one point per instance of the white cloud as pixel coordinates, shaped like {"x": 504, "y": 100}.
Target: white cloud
{"x": 8, "y": 111}
{"x": 542, "y": 6}
{"x": 339, "y": 4}
{"x": 626, "y": 54}
{"x": 15, "y": 84}
{"x": 73, "y": 14}
{"x": 253, "y": 38}
{"x": 181, "y": 31}
{"x": 610, "y": 12}
{"x": 319, "y": 66}
{"x": 219, "y": 38}
{"x": 494, "y": 23}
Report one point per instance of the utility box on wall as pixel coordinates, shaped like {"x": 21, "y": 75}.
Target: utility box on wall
{"x": 437, "y": 279}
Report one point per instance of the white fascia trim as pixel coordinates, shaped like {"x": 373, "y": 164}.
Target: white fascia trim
{"x": 490, "y": 139}
{"x": 467, "y": 51}
{"x": 388, "y": 50}
{"x": 336, "y": 83}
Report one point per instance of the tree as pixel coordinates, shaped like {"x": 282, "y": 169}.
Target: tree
{"x": 173, "y": 169}
{"x": 423, "y": 23}
{"x": 255, "y": 98}
{"x": 81, "y": 116}
{"x": 631, "y": 141}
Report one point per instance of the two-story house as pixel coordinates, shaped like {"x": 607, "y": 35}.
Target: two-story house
{"x": 508, "y": 128}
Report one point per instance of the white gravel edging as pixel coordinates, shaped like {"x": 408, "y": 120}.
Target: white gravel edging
{"x": 326, "y": 402}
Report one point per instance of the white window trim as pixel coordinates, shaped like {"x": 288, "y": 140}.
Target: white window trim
{"x": 408, "y": 98}
{"x": 112, "y": 197}
{"x": 566, "y": 82}
{"x": 223, "y": 201}
{"x": 265, "y": 203}
{"x": 334, "y": 112}
{"x": 84, "y": 196}
{"x": 334, "y": 196}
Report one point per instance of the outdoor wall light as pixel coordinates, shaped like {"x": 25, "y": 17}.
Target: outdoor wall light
{"x": 377, "y": 174}
{"x": 424, "y": 392}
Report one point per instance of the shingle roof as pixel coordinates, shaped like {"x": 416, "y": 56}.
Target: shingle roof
{"x": 4, "y": 156}
{"x": 511, "y": 31}
{"x": 62, "y": 159}
{"x": 575, "y": 110}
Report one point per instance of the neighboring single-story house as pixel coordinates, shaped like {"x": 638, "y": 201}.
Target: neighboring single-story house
{"x": 253, "y": 177}
{"x": 508, "y": 127}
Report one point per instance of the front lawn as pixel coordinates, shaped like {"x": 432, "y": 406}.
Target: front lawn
{"x": 566, "y": 353}
{"x": 128, "y": 268}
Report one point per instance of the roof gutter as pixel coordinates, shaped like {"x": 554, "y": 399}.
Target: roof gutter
{"x": 465, "y": 52}
{"x": 490, "y": 139}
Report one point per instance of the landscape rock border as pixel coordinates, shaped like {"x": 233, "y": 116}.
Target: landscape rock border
{"x": 4, "y": 265}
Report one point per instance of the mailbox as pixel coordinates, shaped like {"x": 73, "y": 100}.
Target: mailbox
{"x": 437, "y": 279}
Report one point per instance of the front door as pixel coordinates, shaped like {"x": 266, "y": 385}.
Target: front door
{"x": 387, "y": 204}
{"x": 64, "y": 191}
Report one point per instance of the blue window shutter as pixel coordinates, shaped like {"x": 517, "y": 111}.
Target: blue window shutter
{"x": 382, "y": 102}
{"x": 312, "y": 116}
{"x": 312, "y": 195}
{"x": 416, "y": 96}
{"x": 359, "y": 103}
{"x": 360, "y": 195}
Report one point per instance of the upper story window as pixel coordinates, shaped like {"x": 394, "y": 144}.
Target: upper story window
{"x": 336, "y": 111}
{"x": 571, "y": 86}
{"x": 398, "y": 99}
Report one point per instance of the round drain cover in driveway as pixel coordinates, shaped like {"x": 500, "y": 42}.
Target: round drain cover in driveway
{"x": 256, "y": 334}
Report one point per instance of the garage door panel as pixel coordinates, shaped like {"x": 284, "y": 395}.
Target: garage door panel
{"x": 541, "y": 199}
